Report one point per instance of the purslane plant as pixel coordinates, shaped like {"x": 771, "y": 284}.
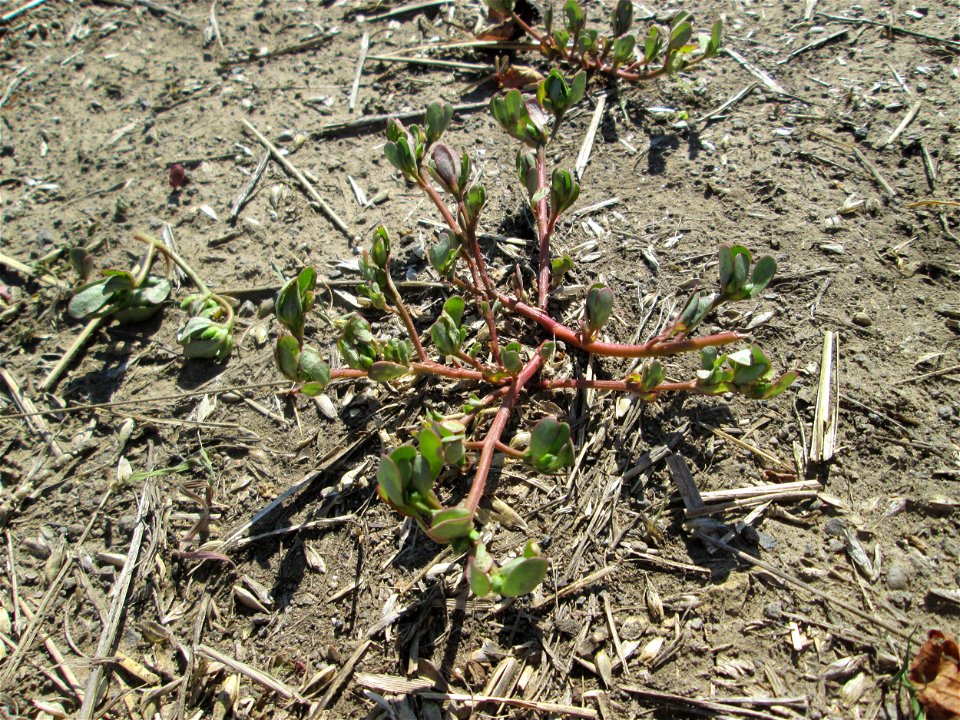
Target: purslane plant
{"x": 619, "y": 54}
{"x": 501, "y": 362}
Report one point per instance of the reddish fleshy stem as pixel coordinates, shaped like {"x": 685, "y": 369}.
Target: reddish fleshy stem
{"x": 616, "y": 385}
{"x": 496, "y": 430}
{"x": 654, "y": 348}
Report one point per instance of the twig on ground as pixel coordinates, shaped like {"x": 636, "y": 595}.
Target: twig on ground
{"x": 953, "y": 44}
{"x": 243, "y": 196}
{"x": 403, "y": 10}
{"x": 191, "y": 659}
{"x": 33, "y": 417}
{"x": 28, "y": 271}
{"x": 826, "y": 40}
{"x": 139, "y": 401}
{"x": 536, "y": 706}
{"x": 76, "y": 347}
{"x": 762, "y": 454}
{"x": 107, "y": 644}
{"x": 20, "y": 10}
{"x": 933, "y": 373}
{"x": 452, "y": 64}
{"x": 583, "y": 157}
{"x": 733, "y": 100}
{"x": 258, "y": 676}
{"x": 341, "y": 677}
{"x": 377, "y": 121}
{"x": 361, "y": 58}
{"x": 826, "y": 415}
{"x": 907, "y": 119}
{"x": 761, "y": 75}
{"x": 723, "y": 706}
{"x": 685, "y": 483}
{"x": 575, "y": 587}
{"x": 214, "y": 25}
{"x": 309, "y": 44}
{"x": 304, "y": 183}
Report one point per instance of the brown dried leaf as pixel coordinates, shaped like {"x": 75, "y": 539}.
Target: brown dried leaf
{"x": 935, "y": 675}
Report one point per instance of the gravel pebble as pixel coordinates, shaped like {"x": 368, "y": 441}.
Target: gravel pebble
{"x": 898, "y": 576}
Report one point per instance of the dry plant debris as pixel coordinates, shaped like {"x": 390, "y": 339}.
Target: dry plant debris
{"x": 935, "y": 676}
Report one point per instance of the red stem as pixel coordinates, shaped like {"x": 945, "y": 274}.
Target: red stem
{"x": 618, "y": 385}
{"x": 404, "y": 315}
{"x": 526, "y": 28}
{"x": 500, "y": 447}
{"x": 654, "y": 348}
{"x": 543, "y": 230}
{"x": 474, "y": 249}
{"x": 496, "y": 430}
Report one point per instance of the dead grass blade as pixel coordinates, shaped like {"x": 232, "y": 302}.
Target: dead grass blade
{"x": 541, "y": 707}
{"x": 108, "y": 636}
{"x": 827, "y": 412}
{"x": 258, "y": 676}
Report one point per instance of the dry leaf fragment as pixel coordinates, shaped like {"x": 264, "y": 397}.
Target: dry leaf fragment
{"x": 935, "y": 675}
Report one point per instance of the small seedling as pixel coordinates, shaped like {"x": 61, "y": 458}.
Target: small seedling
{"x": 617, "y": 54}
{"x": 501, "y": 362}
{"x": 136, "y": 295}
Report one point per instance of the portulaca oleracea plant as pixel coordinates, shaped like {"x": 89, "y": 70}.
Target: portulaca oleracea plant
{"x": 501, "y": 363}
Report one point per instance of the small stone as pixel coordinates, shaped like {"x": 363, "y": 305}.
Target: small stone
{"x": 773, "y": 610}
{"x": 632, "y": 628}
{"x": 900, "y": 599}
{"x": 862, "y": 319}
{"x": 898, "y": 576}
{"x": 945, "y": 412}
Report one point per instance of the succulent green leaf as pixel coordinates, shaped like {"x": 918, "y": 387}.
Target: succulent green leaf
{"x": 450, "y": 524}
{"x": 559, "y": 267}
{"x": 436, "y": 120}
{"x": 313, "y": 389}
{"x": 622, "y": 17}
{"x": 287, "y": 354}
{"x": 550, "y": 447}
{"x": 454, "y": 307}
{"x": 763, "y": 272}
{"x": 431, "y": 448}
{"x": 652, "y": 45}
{"x": 153, "y": 291}
{"x": 695, "y": 310}
{"x": 521, "y": 576}
{"x": 443, "y": 254}
{"x": 479, "y": 567}
{"x": 564, "y": 191}
{"x": 391, "y": 481}
{"x": 561, "y": 38}
{"x": 312, "y": 368}
{"x": 713, "y": 46}
{"x": 599, "y": 306}
{"x": 573, "y": 14}
{"x": 385, "y": 371}
{"x": 623, "y": 49}
{"x": 587, "y": 42}
{"x": 380, "y": 247}
{"x": 474, "y": 202}
{"x": 90, "y": 299}
{"x": 512, "y": 360}
{"x": 527, "y": 172}
{"x": 289, "y": 306}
